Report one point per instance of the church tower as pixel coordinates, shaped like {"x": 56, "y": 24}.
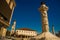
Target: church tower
{"x": 53, "y": 29}
{"x": 13, "y": 27}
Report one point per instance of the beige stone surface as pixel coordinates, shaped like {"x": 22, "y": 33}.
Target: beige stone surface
{"x": 47, "y": 36}
{"x": 3, "y": 32}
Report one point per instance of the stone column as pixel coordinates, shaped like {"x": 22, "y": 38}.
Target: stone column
{"x": 43, "y": 9}
{"x": 3, "y": 31}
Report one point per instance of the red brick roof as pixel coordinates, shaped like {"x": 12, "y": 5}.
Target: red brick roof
{"x": 27, "y": 29}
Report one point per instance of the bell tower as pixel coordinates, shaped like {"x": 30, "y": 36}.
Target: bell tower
{"x": 13, "y": 27}
{"x": 53, "y": 31}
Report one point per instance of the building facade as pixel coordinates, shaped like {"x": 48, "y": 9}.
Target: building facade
{"x": 24, "y": 32}
{"x": 6, "y": 12}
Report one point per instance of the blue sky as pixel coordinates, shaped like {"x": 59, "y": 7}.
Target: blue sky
{"x": 27, "y": 15}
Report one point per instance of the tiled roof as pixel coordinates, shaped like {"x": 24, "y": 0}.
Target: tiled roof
{"x": 26, "y": 29}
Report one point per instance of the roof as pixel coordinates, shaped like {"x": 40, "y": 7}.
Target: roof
{"x": 26, "y": 29}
